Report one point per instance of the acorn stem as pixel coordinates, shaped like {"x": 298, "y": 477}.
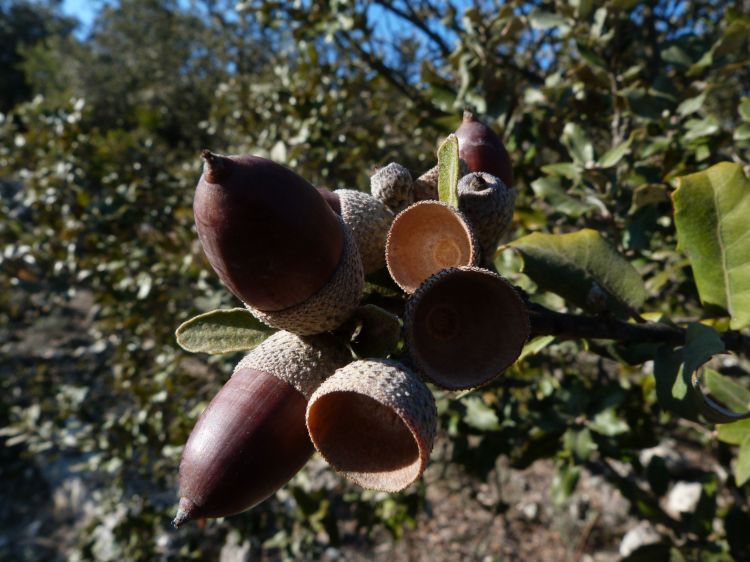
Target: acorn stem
{"x": 184, "y": 512}
{"x": 214, "y": 167}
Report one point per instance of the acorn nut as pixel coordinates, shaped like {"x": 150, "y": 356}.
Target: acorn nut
{"x": 483, "y": 150}
{"x": 374, "y": 421}
{"x": 252, "y": 438}
{"x": 276, "y": 243}
{"x": 488, "y": 204}
{"x": 425, "y": 238}
{"x": 464, "y": 327}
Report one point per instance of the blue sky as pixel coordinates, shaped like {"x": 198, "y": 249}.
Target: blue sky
{"x": 85, "y": 11}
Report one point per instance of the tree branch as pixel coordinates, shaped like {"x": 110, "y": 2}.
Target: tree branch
{"x": 420, "y": 24}
{"x": 545, "y": 322}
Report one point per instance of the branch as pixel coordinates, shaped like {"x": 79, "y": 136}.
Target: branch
{"x": 545, "y": 322}
{"x": 414, "y": 19}
{"x": 389, "y": 74}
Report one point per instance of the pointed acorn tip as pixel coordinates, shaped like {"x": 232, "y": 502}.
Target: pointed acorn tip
{"x": 184, "y": 512}
{"x": 469, "y": 115}
{"x": 213, "y": 165}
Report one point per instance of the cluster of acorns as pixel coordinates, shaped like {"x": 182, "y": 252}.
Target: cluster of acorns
{"x": 297, "y": 257}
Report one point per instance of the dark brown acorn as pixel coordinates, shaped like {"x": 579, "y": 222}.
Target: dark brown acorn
{"x": 252, "y": 438}
{"x": 483, "y": 150}
{"x": 266, "y": 231}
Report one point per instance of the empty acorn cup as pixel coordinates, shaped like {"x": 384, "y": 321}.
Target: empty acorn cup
{"x": 374, "y": 421}
{"x": 425, "y": 238}
{"x": 464, "y": 327}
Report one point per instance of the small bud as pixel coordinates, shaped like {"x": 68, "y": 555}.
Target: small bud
{"x": 374, "y": 421}
{"x": 465, "y": 326}
{"x": 393, "y": 186}
{"x": 425, "y": 238}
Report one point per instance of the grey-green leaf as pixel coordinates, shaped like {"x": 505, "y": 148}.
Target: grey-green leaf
{"x": 711, "y": 217}
{"x": 479, "y": 415}
{"x": 579, "y": 145}
{"x": 742, "y": 468}
{"x": 222, "y": 331}
{"x": 615, "y": 154}
{"x": 448, "y": 166}
{"x": 582, "y": 268}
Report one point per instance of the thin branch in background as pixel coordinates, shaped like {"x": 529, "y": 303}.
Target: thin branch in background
{"x": 412, "y": 17}
{"x": 546, "y": 322}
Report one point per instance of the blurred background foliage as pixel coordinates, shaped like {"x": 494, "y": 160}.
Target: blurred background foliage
{"x": 601, "y": 105}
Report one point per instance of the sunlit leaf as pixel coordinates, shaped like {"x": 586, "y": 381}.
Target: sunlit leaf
{"x": 222, "y": 331}
{"x": 582, "y": 268}
{"x": 479, "y": 415}
{"x": 448, "y": 171}
{"x": 711, "y": 217}
{"x": 579, "y": 145}
{"x": 742, "y": 466}
{"x": 613, "y": 156}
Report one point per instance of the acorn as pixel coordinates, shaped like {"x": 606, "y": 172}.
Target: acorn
{"x": 488, "y": 204}
{"x": 482, "y": 149}
{"x": 426, "y": 185}
{"x": 464, "y": 327}
{"x": 369, "y": 220}
{"x": 393, "y": 186}
{"x": 276, "y": 243}
{"x": 425, "y": 238}
{"x": 374, "y": 421}
{"x": 252, "y": 438}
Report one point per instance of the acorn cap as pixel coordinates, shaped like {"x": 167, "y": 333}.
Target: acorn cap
{"x": 369, "y": 220}
{"x": 488, "y": 204}
{"x": 374, "y": 421}
{"x": 393, "y": 186}
{"x": 332, "y": 304}
{"x": 301, "y": 361}
{"x": 252, "y": 437}
{"x": 426, "y": 185}
{"x": 464, "y": 327}
{"x": 425, "y": 238}
{"x": 268, "y": 233}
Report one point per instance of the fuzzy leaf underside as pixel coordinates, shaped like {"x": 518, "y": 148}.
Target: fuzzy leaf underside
{"x": 222, "y": 331}
{"x": 448, "y": 168}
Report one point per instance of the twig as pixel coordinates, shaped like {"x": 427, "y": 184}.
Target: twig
{"x": 545, "y": 322}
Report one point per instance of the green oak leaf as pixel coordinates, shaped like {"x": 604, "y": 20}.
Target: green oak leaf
{"x": 479, "y": 415}
{"x": 733, "y": 433}
{"x": 448, "y": 166}
{"x": 222, "y": 331}
{"x": 582, "y": 268}
{"x": 711, "y": 216}
{"x": 742, "y": 467}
